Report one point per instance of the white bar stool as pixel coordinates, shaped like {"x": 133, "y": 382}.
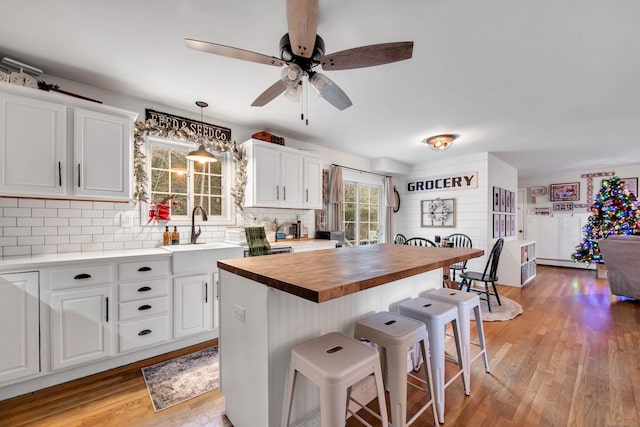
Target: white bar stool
{"x": 435, "y": 315}
{"x": 465, "y": 302}
{"x": 395, "y": 334}
{"x": 334, "y": 363}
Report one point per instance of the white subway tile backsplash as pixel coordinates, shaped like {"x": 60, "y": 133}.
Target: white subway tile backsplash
{"x": 65, "y": 231}
{"x": 57, "y": 240}
{"x": 89, "y": 247}
{"x": 113, "y": 246}
{"x": 80, "y": 222}
{"x": 133, "y": 244}
{"x": 104, "y": 205}
{"x": 102, "y": 238}
{"x": 92, "y": 213}
{"x": 16, "y": 212}
{"x": 30, "y": 203}
{"x": 9, "y": 241}
{"x": 80, "y": 238}
{"x": 30, "y": 240}
{"x": 70, "y": 213}
{"x": 56, "y": 222}
{"x": 17, "y": 231}
{"x": 44, "y": 231}
{"x": 57, "y": 204}
{"x": 125, "y": 237}
{"x": 70, "y": 248}
{"x": 92, "y": 230}
{"x": 16, "y": 250}
{"x": 102, "y": 222}
{"x": 8, "y": 203}
{"x": 43, "y": 249}
{"x": 44, "y": 212}
{"x": 80, "y": 205}
{"x": 30, "y": 222}
{"x": 8, "y": 222}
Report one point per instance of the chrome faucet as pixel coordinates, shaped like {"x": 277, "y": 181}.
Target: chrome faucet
{"x": 194, "y": 235}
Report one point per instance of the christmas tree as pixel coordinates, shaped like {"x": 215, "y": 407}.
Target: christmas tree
{"x": 613, "y": 212}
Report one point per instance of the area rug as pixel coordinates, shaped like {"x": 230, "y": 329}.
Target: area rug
{"x": 507, "y": 311}
{"x": 183, "y": 378}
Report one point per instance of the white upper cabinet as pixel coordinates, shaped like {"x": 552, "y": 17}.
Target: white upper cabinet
{"x": 312, "y": 183}
{"x": 102, "y": 155}
{"x": 278, "y": 177}
{"x": 33, "y": 146}
{"x": 58, "y": 146}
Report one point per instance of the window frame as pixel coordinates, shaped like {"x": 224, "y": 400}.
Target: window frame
{"x": 362, "y": 178}
{"x": 227, "y": 169}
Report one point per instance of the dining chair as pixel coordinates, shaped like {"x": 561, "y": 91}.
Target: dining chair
{"x": 489, "y": 275}
{"x": 420, "y": 241}
{"x": 399, "y": 239}
{"x": 459, "y": 240}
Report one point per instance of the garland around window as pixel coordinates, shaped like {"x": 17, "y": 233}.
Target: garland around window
{"x": 150, "y": 128}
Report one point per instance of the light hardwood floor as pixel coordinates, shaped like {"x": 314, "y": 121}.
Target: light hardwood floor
{"x": 572, "y": 359}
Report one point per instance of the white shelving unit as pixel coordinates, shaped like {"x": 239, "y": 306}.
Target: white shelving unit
{"x": 517, "y": 262}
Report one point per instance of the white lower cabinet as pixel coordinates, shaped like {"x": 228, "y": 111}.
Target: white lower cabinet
{"x": 81, "y": 326}
{"x": 19, "y": 325}
{"x": 192, "y": 305}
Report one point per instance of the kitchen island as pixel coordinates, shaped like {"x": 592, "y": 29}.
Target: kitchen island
{"x": 271, "y": 303}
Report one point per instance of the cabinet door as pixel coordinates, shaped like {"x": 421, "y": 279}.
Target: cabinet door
{"x": 312, "y": 183}
{"x": 292, "y": 180}
{"x": 81, "y": 326}
{"x": 102, "y": 155}
{"x": 33, "y": 151}
{"x": 266, "y": 177}
{"x": 19, "y": 325}
{"x": 192, "y": 305}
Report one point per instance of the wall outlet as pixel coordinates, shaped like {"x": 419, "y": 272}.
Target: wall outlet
{"x": 239, "y": 312}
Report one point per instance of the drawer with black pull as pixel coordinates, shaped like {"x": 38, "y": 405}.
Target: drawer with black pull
{"x": 144, "y": 269}
{"x": 141, "y": 333}
{"x": 77, "y": 277}
{"x": 143, "y": 308}
{"x": 142, "y": 290}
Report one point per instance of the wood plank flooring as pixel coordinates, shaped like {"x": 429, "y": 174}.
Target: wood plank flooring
{"x": 572, "y": 359}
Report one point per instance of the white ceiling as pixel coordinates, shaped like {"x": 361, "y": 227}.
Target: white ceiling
{"x": 546, "y": 85}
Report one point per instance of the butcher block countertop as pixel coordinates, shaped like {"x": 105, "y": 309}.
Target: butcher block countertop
{"x": 324, "y": 275}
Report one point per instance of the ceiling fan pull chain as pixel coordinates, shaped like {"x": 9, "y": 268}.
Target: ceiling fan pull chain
{"x": 306, "y": 99}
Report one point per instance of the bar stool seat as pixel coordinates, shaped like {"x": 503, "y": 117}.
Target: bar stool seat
{"x": 334, "y": 363}
{"x": 435, "y": 315}
{"x": 395, "y": 334}
{"x": 466, "y": 302}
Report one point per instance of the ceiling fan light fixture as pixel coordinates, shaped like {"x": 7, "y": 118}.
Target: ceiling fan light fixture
{"x": 440, "y": 142}
{"x": 291, "y": 75}
{"x": 294, "y": 93}
{"x": 201, "y": 154}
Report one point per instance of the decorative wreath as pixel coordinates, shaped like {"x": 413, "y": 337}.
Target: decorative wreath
{"x": 142, "y": 129}
{"x": 438, "y": 211}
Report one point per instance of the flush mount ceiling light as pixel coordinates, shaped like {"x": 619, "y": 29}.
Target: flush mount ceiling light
{"x": 201, "y": 154}
{"x": 440, "y": 142}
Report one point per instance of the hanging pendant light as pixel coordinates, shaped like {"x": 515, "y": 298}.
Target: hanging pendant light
{"x": 201, "y": 154}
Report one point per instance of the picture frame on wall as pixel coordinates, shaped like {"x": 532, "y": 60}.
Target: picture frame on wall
{"x": 503, "y": 201}
{"x": 513, "y": 202}
{"x": 513, "y": 226}
{"x": 496, "y": 225}
{"x": 438, "y": 213}
{"x": 566, "y": 192}
{"x": 503, "y": 221}
{"x": 563, "y": 207}
{"x": 631, "y": 184}
{"x": 507, "y": 226}
{"x": 496, "y": 199}
{"x": 507, "y": 201}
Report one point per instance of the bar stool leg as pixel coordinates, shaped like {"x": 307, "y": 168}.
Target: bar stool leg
{"x": 333, "y": 405}
{"x": 480, "y": 327}
{"x": 436, "y": 346}
{"x": 289, "y": 398}
{"x": 465, "y": 332}
{"x": 397, "y": 358}
{"x": 464, "y": 366}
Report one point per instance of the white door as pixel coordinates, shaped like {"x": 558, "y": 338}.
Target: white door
{"x": 292, "y": 180}
{"x": 19, "y": 325}
{"x": 521, "y": 207}
{"x": 81, "y": 326}
{"x": 33, "y": 147}
{"x": 192, "y": 305}
{"x": 312, "y": 183}
{"x": 102, "y": 159}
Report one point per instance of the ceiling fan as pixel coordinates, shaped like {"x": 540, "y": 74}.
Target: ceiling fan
{"x": 302, "y": 49}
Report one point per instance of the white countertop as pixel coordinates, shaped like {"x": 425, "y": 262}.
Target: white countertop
{"x": 14, "y": 263}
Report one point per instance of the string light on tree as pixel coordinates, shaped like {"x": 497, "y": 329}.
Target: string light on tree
{"x": 612, "y": 212}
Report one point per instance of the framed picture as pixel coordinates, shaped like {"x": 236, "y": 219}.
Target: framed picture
{"x": 513, "y": 202}
{"x": 438, "y": 213}
{"x": 496, "y": 199}
{"x": 568, "y": 192}
{"x": 513, "y": 225}
{"x": 507, "y": 206}
{"x": 503, "y": 223}
{"x": 507, "y": 226}
{"x": 631, "y": 184}
{"x": 563, "y": 207}
{"x": 496, "y": 225}
{"x": 503, "y": 199}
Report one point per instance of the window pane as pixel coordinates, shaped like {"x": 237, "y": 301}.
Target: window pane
{"x": 159, "y": 181}
{"x": 373, "y": 213}
{"x": 159, "y": 157}
{"x": 179, "y": 159}
{"x": 179, "y": 205}
{"x": 375, "y": 195}
{"x": 179, "y": 183}
{"x": 364, "y": 213}
{"x": 216, "y": 185}
{"x": 216, "y": 206}
{"x": 350, "y": 231}
{"x": 349, "y": 193}
{"x": 216, "y": 167}
{"x": 349, "y": 211}
{"x": 200, "y": 184}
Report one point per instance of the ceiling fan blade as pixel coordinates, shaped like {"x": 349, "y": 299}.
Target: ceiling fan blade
{"x": 367, "y": 56}
{"x": 330, "y": 91}
{"x": 302, "y": 20}
{"x": 233, "y": 52}
{"x": 270, "y": 94}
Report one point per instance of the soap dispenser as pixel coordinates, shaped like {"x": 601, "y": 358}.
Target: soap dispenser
{"x": 166, "y": 236}
{"x": 175, "y": 236}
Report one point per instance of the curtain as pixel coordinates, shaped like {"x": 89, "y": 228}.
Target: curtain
{"x": 391, "y": 205}
{"x": 336, "y": 216}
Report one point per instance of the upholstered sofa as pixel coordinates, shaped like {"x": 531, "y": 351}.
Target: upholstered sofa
{"x": 621, "y": 255}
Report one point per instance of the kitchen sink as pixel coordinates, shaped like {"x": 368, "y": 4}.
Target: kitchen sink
{"x": 201, "y": 257}
{"x": 197, "y": 247}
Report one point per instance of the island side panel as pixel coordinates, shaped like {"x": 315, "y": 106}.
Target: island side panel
{"x": 244, "y": 350}
{"x": 293, "y": 320}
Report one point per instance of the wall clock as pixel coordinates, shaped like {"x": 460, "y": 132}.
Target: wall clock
{"x": 396, "y": 195}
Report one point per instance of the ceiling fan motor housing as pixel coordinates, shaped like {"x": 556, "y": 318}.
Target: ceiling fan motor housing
{"x": 287, "y": 55}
